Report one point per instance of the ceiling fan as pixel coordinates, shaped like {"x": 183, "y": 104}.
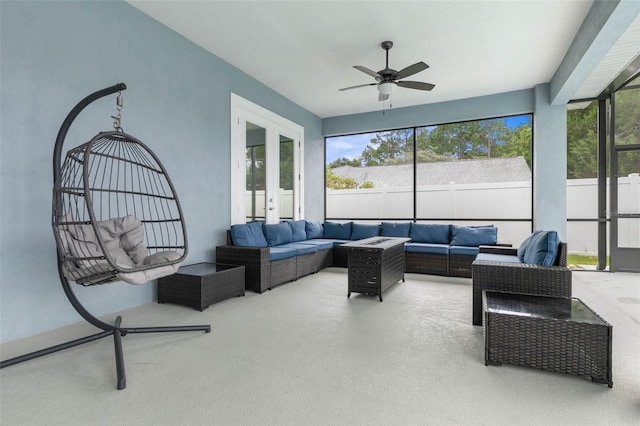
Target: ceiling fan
{"x": 388, "y": 79}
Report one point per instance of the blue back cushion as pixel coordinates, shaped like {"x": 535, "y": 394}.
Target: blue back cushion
{"x": 298, "y": 232}
{"x": 429, "y": 233}
{"x": 541, "y": 248}
{"x": 473, "y": 237}
{"x": 395, "y": 229}
{"x": 276, "y": 234}
{"x": 360, "y": 231}
{"x": 248, "y": 234}
{"x": 313, "y": 230}
{"x": 337, "y": 231}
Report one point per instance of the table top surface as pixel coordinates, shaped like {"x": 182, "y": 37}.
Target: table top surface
{"x": 205, "y": 268}
{"x": 556, "y": 308}
{"x": 377, "y": 243}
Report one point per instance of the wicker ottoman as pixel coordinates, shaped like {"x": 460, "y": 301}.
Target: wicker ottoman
{"x": 201, "y": 285}
{"x": 550, "y": 333}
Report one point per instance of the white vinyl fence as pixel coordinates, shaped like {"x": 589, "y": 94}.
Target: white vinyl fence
{"x": 488, "y": 202}
{"x": 492, "y": 202}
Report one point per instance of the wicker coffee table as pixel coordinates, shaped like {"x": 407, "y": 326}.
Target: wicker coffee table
{"x": 550, "y": 333}
{"x": 201, "y": 285}
{"x": 375, "y": 264}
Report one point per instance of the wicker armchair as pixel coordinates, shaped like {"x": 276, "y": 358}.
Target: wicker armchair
{"x": 518, "y": 277}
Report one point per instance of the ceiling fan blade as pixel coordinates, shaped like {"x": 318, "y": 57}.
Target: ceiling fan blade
{"x": 410, "y": 70}
{"x": 359, "y": 85}
{"x": 368, "y": 71}
{"x": 415, "y": 85}
{"x": 382, "y": 97}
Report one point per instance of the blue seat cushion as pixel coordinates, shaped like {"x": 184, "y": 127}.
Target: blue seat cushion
{"x": 540, "y": 248}
{"x": 429, "y": 233}
{"x": 395, "y": 229}
{"x": 321, "y": 244}
{"x": 277, "y": 234}
{"x": 492, "y": 257}
{"x": 426, "y": 248}
{"x": 298, "y": 230}
{"x": 248, "y": 235}
{"x": 340, "y": 231}
{"x": 303, "y": 248}
{"x": 360, "y": 231}
{"x": 313, "y": 229}
{"x": 473, "y": 237}
{"x": 464, "y": 250}
{"x": 337, "y": 242}
{"x": 283, "y": 252}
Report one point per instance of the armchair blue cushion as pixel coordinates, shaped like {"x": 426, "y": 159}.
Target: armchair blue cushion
{"x": 360, "y": 231}
{"x": 429, "y": 233}
{"x": 298, "y": 230}
{"x": 540, "y": 248}
{"x": 248, "y": 234}
{"x": 276, "y": 234}
{"x": 473, "y": 237}
{"x": 395, "y": 229}
{"x": 337, "y": 231}
{"x": 313, "y": 230}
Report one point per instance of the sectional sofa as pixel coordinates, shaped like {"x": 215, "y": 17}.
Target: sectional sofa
{"x": 283, "y": 252}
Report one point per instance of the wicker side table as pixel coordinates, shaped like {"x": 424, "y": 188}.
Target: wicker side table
{"x": 201, "y": 285}
{"x": 550, "y": 333}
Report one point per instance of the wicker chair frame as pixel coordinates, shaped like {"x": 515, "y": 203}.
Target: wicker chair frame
{"x": 111, "y": 176}
{"x": 518, "y": 277}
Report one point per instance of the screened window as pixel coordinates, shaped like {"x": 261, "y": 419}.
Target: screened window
{"x": 474, "y": 171}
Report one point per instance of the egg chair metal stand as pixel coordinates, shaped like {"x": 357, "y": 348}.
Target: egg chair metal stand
{"x": 115, "y": 217}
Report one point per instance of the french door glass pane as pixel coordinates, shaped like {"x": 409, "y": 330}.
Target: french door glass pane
{"x": 287, "y": 178}
{"x": 256, "y": 164}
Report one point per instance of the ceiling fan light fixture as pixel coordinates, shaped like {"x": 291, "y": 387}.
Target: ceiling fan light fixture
{"x": 387, "y": 88}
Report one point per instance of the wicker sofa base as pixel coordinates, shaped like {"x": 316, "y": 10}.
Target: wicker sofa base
{"x": 460, "y": 265}
{"x": 427, "y": 263}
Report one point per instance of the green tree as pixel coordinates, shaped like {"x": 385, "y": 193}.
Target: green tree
{"x": 582, "y": 142}
{"x": 333, "y": 181}
{"x": 519, "y": 145}
{"x": 394, "y": 147}
{"x": 344, "y": 161}
{"x": 470, "y": 139}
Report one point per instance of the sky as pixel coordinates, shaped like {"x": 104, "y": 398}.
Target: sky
{"x": 351, "y": 146}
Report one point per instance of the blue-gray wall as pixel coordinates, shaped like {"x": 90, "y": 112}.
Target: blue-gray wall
{"x": 178, "y": 102}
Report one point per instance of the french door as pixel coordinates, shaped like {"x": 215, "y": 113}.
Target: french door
{"x": 266, "y": 174}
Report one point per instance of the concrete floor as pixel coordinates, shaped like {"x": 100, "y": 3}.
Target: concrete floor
{"x": 305, "y": 354}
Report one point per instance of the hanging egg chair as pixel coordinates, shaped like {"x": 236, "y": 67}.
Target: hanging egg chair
{"x": 116, "y": 217}
{"x": 115, "y": 213}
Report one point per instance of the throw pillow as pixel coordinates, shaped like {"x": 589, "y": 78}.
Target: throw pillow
{"x": 473, "y": 237}
{"x": 278, "y": 233}
{"x": 337, "y": 231}
{"x": 543, "y": 248}
{"x": 360, "y": 231}
{"x": 298, "y": 232}
{"x": 432, "y": 233}
{"x": 313, "y": 230}
{"x": 248, "y": 235}
{"x": 395, "y": 229}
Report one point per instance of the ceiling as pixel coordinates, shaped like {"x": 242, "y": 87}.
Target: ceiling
{"x": 305, "y": 50}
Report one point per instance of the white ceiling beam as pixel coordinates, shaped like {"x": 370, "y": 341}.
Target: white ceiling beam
{"x": 600, "y": 30}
